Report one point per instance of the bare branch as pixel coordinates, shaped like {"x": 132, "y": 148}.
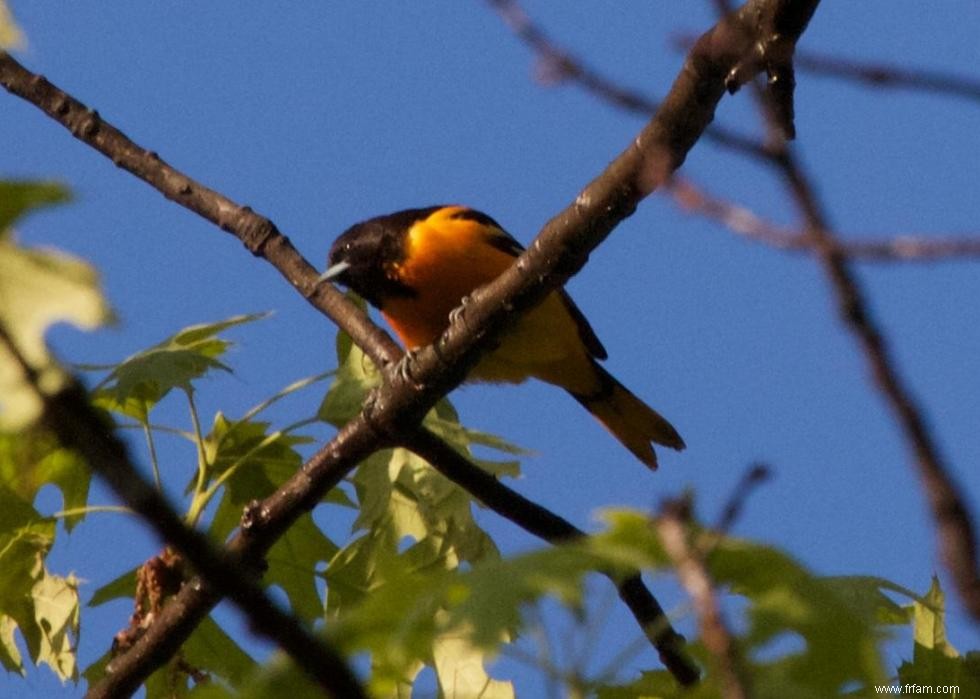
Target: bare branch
{"x": 266, "y": 521}
{"x": 79, "y": 427}
{"x": 412, "y": 388}
{"x": 876, "y": 73}
{"x": 955, "y": 530}
{"x": 672, "y": 525}
{"x": 755, "y": 476}
{"x": 562, "y": 247}
{"x": 746, "y": 223}
{"x": 256, "y": 232}
{"x": 890, "y": 75}
{"x": 558, "y": 64}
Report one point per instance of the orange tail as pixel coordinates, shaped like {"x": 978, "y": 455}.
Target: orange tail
{"x": 630, "y": 420}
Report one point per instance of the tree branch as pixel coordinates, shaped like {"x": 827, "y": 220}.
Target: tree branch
{"x": 562, "y": 247}
{"x": 557, "y": 64}
{"x": 69, "y": 414}
{"x": 560, "y": 250}
{"x": 748, "y": 224}
{"x": 890, "y": 75}
{"x": 330, "y": 465}
{"x": 672, "y": 525}
{"x": 957, "y": 540}
{"x": 955, "y": 530}
{"x": 256, "y": 232}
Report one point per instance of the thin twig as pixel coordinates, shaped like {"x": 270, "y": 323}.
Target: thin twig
{"x": 559, "y": 64}
{"x": 954, "y": 526}
{"x": 672, "y": 525}
{"x": 748, "y": 224}
{"x": 875, "y": 73}
{"x": 955, "y": 529}
{"x": 890, "y": 75}
{"x": 78, "y": 426}
{"x": 754, "y": 476}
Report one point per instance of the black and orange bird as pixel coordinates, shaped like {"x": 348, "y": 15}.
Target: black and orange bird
{"x": 416, "y": 266}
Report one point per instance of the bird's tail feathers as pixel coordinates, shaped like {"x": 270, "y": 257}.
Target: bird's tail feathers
{"x": 629, "y": 419}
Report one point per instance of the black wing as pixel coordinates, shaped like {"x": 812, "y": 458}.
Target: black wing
{"x": 505, "y": 242}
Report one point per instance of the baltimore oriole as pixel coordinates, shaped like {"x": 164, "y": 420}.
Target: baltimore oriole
{"x": 416, "y": 266}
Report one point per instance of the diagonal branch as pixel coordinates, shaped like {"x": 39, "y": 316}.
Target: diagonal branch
{"x": 256, "y": 232}
{"x": 560, "y": 250}
{"x": 78, "y": 426}
{"x": 558, "y": 64}
{"x": 563, "y": 245}
{"x": 748, "y": 224}
{"x": 673, "y": 525}
{"x": 322, "y": 472}
{"x": 954, "y": 525}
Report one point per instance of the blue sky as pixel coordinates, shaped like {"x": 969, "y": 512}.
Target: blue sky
{"x": 320, "y": 115}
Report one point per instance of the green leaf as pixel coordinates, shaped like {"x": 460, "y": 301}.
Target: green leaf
{"x": 18, "y": 198}
{"x": 356, "y": 375}
{"x": 929, "y": 621}
{"x": 208, "y": 657}
{"x": 293, "y": 561}
{"x": 42, "y": 606}
{"x": 404, "y": 502}
{"x": 452, "y": 431}
{"x": 37, "y": 289}
{"x": 934, "y": 660}
{"x": 123, "y": 586}
{"x": 10, "y": 36}
{"x": 262, "y": 462}
{"x": 10, "y": 656}
{"x": 137, "y": 384}
{"x": 31, "y": 459}
{"x": 400, "y": 491}
{"x": 57, "y": 614}
{"x": 867, "y": 591}
{"x": 459, "y": 667}
{"x": 212, "y": 650}
{"x": 406, "y": 610}
{"x": 443, "y": 421}
{"x": 253, "y": 461}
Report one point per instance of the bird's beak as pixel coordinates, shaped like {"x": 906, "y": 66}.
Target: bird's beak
{"x": 333, "y": 271}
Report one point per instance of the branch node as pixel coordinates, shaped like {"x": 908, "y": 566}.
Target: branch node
{"x": 90, "y": 125}
{"x": 254, "y": 515}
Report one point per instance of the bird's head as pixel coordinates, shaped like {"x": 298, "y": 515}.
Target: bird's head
{"x": 365, "y": 256}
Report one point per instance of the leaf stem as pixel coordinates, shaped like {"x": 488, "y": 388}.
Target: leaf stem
{"x": 89, "y": 509}
{"x": 151, "y": 447}
{"x": 199, "y": 500}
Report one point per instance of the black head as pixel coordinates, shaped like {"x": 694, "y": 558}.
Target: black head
{"x": 370, "y": 250}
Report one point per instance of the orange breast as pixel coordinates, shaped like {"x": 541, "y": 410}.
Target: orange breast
{"x": 446, "y": 260}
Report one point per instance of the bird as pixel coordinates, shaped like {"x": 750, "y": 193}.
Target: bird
{"x": 417, "y": 265}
